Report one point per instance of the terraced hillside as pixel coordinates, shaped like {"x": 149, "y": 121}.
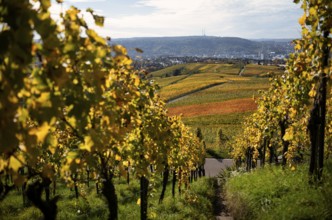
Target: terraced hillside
{"x": 213, "y": 96}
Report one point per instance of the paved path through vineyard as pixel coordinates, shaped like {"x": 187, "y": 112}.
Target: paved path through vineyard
{"x": 213, "y": 166}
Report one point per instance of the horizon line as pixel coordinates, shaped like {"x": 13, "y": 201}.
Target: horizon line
{"x": 178, "y": 36}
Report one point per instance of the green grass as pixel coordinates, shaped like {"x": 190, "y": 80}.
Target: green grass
{"x": 194, "y": 203}
{"x": 276, "y": 193}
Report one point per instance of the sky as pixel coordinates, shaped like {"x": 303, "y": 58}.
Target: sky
{"x": 251, "y": 19}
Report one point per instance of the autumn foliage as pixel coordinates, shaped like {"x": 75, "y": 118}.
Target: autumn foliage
{"x": 70, "y": 103}
{"x": 293, "y": 119}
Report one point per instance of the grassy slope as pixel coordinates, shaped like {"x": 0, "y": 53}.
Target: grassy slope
{"x": 234, "y": 87}
{"x": 252, "y": 69}
{"x": 195, "y": 81}
{"x": 276, "y": 193}
{"x": 196, "y": 203}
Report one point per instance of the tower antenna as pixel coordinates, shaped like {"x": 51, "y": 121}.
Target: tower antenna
{"x": 203, "y": 32}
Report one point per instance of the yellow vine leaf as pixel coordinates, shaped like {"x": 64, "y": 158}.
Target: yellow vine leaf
{"x": 137, "y": 81}
{"x": 138, "y": 201}
{"x": 22, "y": 114}
{"x": 98, "y": 60}
{"x": 288, "y": 136}
{"x": 53, "y": 142}
{"x": 44, "y": 16}
{"x": 292, "y": 112}
{"x": 125, "y": 163}
{"x": 123, "y": 60}
{"x": 40, "y": 131}
{"x": 88, "y": 143}
{"x": 120, "y": 49}
{"x": 101, "y": 52}
{"x": 118, "y": 157}
{"x": 138, "y": 121}
{"x": 71, "y": 156}
{"x": 2, "y": 164}
{"x": 14, "y": 163}
{"x": 302, "y": 19}
{"x": 72, "y": 121}
{"x": 293, "y": 168}
{"x": 312, "y": 11}
{"x": 72, "y": 12}
{"x": 92, "y": 34}
{"x": 312, "y": 93}
{"x": 44, "y": 99}
{"x": 326, "y": 70}
{"x": 68, "y": 47}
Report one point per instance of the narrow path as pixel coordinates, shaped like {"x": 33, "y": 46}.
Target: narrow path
{"x": 220, "y": 207}
{"x": 242, "y": 70}
{"x": 212, "y": 168}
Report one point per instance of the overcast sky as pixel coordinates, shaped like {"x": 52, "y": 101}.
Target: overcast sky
{"x": 250, "y": 19}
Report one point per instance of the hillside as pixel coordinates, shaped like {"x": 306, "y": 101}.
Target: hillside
{"x": 204, "y": 46}
{"x": 213, "y": 96}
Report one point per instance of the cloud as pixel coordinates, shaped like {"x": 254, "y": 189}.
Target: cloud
{"x": 250, "y": 18}
{"x": 241, "y": 18}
